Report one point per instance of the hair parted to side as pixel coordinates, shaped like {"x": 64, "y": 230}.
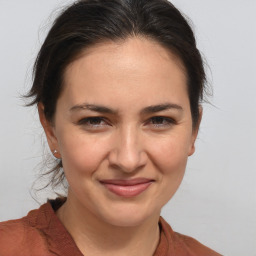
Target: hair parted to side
{"x": 88, "y": 22}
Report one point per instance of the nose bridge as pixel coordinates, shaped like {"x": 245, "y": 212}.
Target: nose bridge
{"x": 129, "y": 142}
{"x": 128, "y": 153}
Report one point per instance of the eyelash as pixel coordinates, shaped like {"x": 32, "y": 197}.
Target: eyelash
{"x": 156, "y": 121}
{"x": 86, "y": 122}
{"x": 166, "y": 121}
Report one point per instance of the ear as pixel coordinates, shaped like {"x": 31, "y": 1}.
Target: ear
{"x": 195, "y": 132}
{"x": 49, "y": 131}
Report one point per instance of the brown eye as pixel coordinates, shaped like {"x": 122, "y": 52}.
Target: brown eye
{"x": 93, "y": 122}
{"x": 161, "y": 121}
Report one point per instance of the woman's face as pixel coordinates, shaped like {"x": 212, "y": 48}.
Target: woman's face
{"x": 123, "y": 129}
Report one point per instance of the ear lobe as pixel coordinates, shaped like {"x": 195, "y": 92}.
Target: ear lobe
{"x": 195, "y": 131}
{"x": 192, "y": 150}
{"x": 48, "y": 128}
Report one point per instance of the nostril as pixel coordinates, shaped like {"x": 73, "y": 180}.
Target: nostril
{"x": 127, "y": 162}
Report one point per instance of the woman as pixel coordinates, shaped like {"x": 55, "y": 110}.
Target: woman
{"x": 118, "y": 86}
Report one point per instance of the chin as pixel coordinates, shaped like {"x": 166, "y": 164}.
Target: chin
{"x": 129, "y": 216}
{"x": 127, "y": 221}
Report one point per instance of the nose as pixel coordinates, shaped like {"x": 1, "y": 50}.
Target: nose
{"x": 127, "y": 153}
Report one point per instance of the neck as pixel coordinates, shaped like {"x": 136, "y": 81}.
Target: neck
{"x": 96, "y": 237}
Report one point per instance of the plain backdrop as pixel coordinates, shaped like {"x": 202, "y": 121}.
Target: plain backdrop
{"x": 216, "y": 202}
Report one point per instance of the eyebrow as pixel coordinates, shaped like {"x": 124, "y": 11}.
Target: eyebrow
{"x": 106, "y": 110}
{"x": 161, "y": 107}
{"x": 92, "y": 107}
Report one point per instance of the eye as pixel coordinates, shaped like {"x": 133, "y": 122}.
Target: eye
{"x": 93, "y": 122}
{"x": 161, "y": 122}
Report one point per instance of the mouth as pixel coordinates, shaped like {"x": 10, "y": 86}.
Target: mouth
{"x": 127, "y": 188}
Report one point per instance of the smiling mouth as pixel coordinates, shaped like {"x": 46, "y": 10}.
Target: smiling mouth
{"x": 127, "y": 188}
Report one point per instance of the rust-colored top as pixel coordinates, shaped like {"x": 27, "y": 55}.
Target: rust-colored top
{"x": 41, "y": 233}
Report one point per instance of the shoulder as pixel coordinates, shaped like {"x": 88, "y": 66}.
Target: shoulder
{"x": 184, "y": 245}
{"x": 22, "y": 236}
{"x": 194, "y": 247}
{"x": 10, "y": 231}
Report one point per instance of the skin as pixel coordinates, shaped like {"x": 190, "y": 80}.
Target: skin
{"x": 130, "y": 140}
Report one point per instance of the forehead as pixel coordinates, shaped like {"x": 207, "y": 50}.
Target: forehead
{"x": 134, "y": 69}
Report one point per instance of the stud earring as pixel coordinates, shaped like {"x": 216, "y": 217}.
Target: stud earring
{"x": 54, "y": 152}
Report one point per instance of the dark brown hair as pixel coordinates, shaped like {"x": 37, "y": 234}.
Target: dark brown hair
{"x": 88, "y": 22}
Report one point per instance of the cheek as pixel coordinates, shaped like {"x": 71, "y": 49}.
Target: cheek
{"x": 170, "y": 154}
{"x": 170, "y": 159}
{"x": 81, "y": 154}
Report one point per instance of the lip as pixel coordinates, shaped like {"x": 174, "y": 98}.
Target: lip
{"x": 127, "y": 188}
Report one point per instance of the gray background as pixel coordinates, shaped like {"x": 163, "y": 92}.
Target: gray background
{"x": 216, "y": 202}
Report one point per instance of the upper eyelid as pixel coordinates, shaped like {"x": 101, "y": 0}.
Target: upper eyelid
{"x": 167, "y": 121}
{"x": 83, "y": 120}
{"x": 165, "y": 118}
